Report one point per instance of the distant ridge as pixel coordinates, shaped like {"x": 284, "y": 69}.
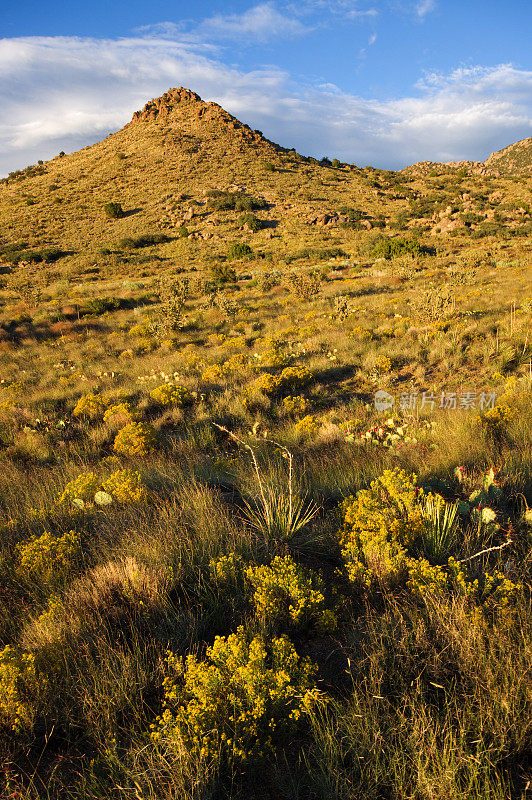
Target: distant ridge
{"x": 515, "y": 159}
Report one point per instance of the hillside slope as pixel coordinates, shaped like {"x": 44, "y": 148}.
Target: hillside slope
{"x": 265, "y": 473}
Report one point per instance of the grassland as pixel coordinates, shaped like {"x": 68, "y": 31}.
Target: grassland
{"x": 223, "y": 571}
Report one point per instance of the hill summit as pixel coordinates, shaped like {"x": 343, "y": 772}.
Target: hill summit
{"x": 184, "y": 110}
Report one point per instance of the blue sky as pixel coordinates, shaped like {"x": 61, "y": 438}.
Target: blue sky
{"x": 387, "y": 82}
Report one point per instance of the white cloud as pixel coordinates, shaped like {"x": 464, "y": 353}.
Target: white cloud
{"x": 424, "y": 7}
{"x": 260, "y": 23}
{"x": 61, "y": 93}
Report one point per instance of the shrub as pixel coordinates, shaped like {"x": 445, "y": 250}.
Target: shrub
{"x": 226, "y": 571}
{"x": 388, "y": 525}
{"x": 101, "y": 305}
{"x": 170, "y": 318}
{"x": 145, "y": 240}
{"x": 379, "y": 524}
{"x": 294, "y": 405}
{"x": 125, "y": 485}
{"x": 252, "y": 222}
{"x": 239, "y": 250}
{"x": 393, "y": 248}
{"x": 113, "y": 210}
{"x": 294, "y": 378}
{"x": 306, "y": 284}
{"x": 220, "y": 200}
{"x": 19, "y": 688}
{"x": 307, "y": 426}
{"x": 287, "y": 593}
{"x": 81, "y": 488}
{"x": 119, "y": 415}
{"x": 90, "y": 406}
{"x": 170, "y": 394}
{"x": 136, "y": 439}
{"x": 244, "y": 697}
{"x": 48, "y": 557}
{"x": 222, "y": 273}
{"x": 268, "y": 166}
{"x": 15, "y": 253}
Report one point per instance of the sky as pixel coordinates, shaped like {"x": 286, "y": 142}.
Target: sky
{"x": 380, "y": 82}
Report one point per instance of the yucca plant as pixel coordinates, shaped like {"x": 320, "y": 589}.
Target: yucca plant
{"x": 279, "y": 512}
{"x": 441, "y": 529}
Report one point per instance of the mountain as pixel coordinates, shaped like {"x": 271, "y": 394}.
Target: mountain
{"x": 515, "y": 159}
{"x": 165, "y": 165}
{"x": 161, "y": 167}
{"x": 209, "y": 345}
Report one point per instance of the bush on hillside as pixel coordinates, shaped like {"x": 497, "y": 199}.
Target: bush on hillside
{"x": 239, "y": 250}
{"x": 113, "y": 210}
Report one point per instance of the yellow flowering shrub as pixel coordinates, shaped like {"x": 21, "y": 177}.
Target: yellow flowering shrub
{"x": 49, "y": 557}
{"x": 383, "y": 528}
{"x": 119, "y": 414}
{"x": 19, "y": 688}
{"x": 380, "y": 523}
{"x": 294, "y": 405}
{"x": 90, "y": 406}
{"x": 213, "y": 373}
{"x": 286, "y": 592}
{"x": 236, "y": 363}
{"x": 125, "y": 485}
{"x": 498, "y": 416}
{"x": 140, "y": 329}
{"x": 226, "y": 570}
{"x": 243, "y": 696}
{"x": 488, "y": 592}
{"x": 293, "y": 378}
{"x": 265, "y": 384}
{"x": 136, "y": 439}
{"x": 307, "y": 426}
{"x": 83, "y": 488}
{"x": 382, "y": 365}
{"x": 271, "y": 358}
{"x": 170, "y": 394}
{"x": 424, "y": 577}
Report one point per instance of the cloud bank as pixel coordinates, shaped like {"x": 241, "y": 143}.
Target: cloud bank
{"x": 62, "y": 93}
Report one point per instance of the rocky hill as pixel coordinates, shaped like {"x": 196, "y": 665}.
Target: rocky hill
{"x": 208, "y": 346}
{"x": 515, "y": 159}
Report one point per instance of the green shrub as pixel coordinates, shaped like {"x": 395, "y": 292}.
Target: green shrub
{"x": 233, "y": 201}
{"x": 144, "y": 240}
{"x": 15, "y": 253}
{"x": 251, "y": 221}
{"x": 99, "y": 305}
{"x": 222, "y": 273}
{"x": 113, "y": 210}
{"x": 389, "y": 248}
{"x": 239, "y": 250}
